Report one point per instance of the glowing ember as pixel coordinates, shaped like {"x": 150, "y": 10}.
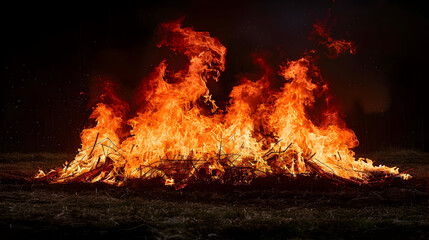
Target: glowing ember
{"x": 263, "y": 131}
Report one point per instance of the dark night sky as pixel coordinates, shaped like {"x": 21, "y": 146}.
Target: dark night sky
{"x": 50, "y": 53}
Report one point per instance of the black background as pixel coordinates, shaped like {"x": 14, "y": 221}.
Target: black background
{"x": 52, "y": 52}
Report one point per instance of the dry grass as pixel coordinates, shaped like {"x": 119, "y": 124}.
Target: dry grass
{"x": 405, "y": 159}
{"x": 295, "y": 209}
{"x": 27, "y": 164}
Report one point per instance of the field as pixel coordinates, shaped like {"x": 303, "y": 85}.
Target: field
{"x": 269, "y": 209}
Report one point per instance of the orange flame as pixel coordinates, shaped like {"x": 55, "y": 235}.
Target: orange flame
{"x": 334, "y": 46}
{"x": 263, "y": 131}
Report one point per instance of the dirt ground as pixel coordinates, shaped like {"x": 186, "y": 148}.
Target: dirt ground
{"x": 303, "y": 208}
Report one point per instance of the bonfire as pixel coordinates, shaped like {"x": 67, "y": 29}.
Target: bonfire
{"x": 179, "y": 134}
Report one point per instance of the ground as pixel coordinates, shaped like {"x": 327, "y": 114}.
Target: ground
{"x": 269, "y": 209}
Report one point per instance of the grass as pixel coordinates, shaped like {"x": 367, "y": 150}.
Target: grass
{"x": 298, "y": 209}
{"x": 405, "y": 159}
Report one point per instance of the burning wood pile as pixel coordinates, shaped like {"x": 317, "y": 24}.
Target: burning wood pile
{"x": 179, "y": 134}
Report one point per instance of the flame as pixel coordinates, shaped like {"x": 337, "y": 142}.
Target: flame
{"x": 263, "y": 131}
{"x": 334, "y": 46}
